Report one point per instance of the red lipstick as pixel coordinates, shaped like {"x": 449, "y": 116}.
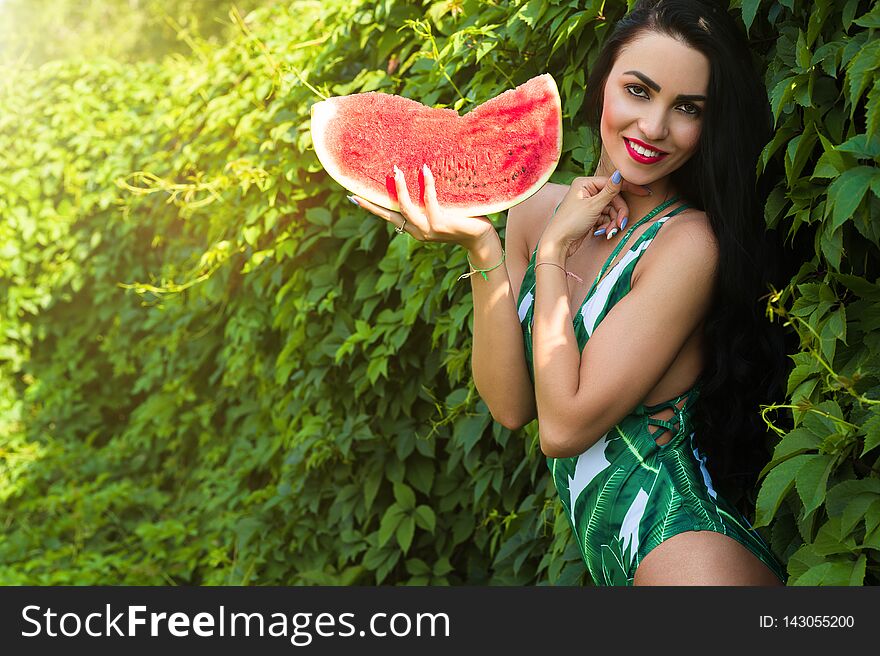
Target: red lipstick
{"x": 639, "y": 157}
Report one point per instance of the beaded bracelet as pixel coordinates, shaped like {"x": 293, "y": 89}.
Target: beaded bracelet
{"x": 482, "y": 272}
{"x": 568, "y": 273}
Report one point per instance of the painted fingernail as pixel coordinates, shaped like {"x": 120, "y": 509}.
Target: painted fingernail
{"x": 426, "y": 170}
{"x": 616, "y": 177}
{"x": 353, "y": 200}
{"x": 623, "y": 223}
{"x": 397, "y": 171}
{"x": 611, "y": 234}
{"x": 600, "y": 231}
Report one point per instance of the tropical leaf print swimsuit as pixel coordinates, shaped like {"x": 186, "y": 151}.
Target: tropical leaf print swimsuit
{"x": 626, "y": 494}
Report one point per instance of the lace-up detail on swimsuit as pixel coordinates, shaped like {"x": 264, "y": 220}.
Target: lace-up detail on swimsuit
{"x": 672, "y": 420}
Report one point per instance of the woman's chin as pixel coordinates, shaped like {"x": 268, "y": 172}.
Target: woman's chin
{"x": 639, "y": 177}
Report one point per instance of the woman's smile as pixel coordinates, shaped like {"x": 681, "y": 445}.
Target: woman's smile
{"x": 642, "y": 153}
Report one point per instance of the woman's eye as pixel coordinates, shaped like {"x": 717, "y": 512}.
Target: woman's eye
{"x": 688, "y": 108}
{"x": 636, "y": 90}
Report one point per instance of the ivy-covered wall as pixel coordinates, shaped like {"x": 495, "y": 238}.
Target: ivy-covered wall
{"x": 215, "y": 370}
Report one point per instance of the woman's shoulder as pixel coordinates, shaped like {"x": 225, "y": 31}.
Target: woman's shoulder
{"x": 689, "y": 232}
{"x": 692, "y": 225}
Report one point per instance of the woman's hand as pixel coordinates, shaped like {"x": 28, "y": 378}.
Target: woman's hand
{"x": 430, "y": 223}
{"x": 590, "y": 204}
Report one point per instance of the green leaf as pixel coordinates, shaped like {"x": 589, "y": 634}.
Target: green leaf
{"x": 858, "y": 286}
{"x": 818, "y": 16}
{"x": 377, "y": 366}
{"x": 836, "y": 324}
{"x": 404, "y": 495}
{"x": 812, "y": 479}
{"x": 829, "y": 573}
{"x": 872, "y": 113}
{"x": 468, "y": 430}
{"x": 776, "y": 486}
{"x": 857, "y": 578}
{"x": 833, "y": 330}
{"x": 392, "y": 518}
{"x": 749, "y": 10}
{"x": 371, "y": 486}
{"x": 801, "y": 373}
{"x": 856, "y": 510}
{"x": 798, "y": 151}
{"x": 417, "y": 567}
{"x": 802, "y": 53}
{"x": 845, "y": 193}
{"x": 782, "y": 93}
{"x": 821, "y": 425}
{"x": 858, "y": 72}
{"x": 420, "y": 473}
{"x": 872, "y": 520}
{"x": 830, "y": 164}
{"x": 405, "y": 531}
{"x": 425, "y": 518}
{"x": 776, "y": 202}
{"x": 828, "y": 55}
{"x": 319, "y": 216}
{"x": 841, "y": 494}
{"x": 831, "y": 243}
{"x": 251, "y": 235}
{"x": 442, "y": 567}
{"x": 831, "y": 540}
{"x": 872, "y": 433}
{"x": 863, "y": 146}
{"x": 797, "y": 441}
{"x": 871, "y": 19}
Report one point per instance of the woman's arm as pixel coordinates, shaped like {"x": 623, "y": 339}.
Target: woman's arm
{"x": 498, "y": 360}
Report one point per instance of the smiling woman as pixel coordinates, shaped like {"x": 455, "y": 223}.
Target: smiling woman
{"x": 631, "y": 383}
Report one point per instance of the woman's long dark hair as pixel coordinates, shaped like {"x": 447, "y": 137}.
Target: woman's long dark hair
{"x": 745, "y": 357}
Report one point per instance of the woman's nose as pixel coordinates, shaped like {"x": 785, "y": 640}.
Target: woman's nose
{"x": 653, "y": 125}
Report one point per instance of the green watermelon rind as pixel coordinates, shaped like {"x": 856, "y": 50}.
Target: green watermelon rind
{"x": 322, "y": 117}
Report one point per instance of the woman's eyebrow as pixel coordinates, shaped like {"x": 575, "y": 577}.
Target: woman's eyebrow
{"x": 656, "y": 87}
{"x": 644, "y": 78}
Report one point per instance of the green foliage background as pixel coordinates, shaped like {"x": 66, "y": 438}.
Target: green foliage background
{"x": 215, "y": 370}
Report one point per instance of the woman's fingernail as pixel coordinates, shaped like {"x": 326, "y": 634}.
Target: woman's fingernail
{"x": 600, "y": 231}
{"x": 623, "y": 223}
{"x": 397, "y": 171}
{"x": 425, "y": 170}
{"x": 616, "y": 177}
{"x": 611, "y": 234}
{"x": 353, "y": 200}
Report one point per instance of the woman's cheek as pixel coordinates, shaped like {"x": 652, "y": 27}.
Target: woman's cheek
{"x": 692, "y": 137}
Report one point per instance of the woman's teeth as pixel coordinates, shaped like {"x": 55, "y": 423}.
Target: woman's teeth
{"x": 644, "y": 151}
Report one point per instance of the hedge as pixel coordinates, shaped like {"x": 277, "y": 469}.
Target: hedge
{"x": 215, "y": 370}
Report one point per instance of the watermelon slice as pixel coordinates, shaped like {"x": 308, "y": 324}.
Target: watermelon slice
{"x": 488, "y": 160}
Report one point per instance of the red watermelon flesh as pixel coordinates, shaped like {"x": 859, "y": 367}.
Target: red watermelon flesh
{"x": 488, "y": 160}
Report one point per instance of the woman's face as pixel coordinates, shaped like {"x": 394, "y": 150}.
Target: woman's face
{"x": 653, "y": 104}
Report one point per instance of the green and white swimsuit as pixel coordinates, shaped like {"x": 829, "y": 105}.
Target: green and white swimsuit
{"x": 626, "y": 494}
